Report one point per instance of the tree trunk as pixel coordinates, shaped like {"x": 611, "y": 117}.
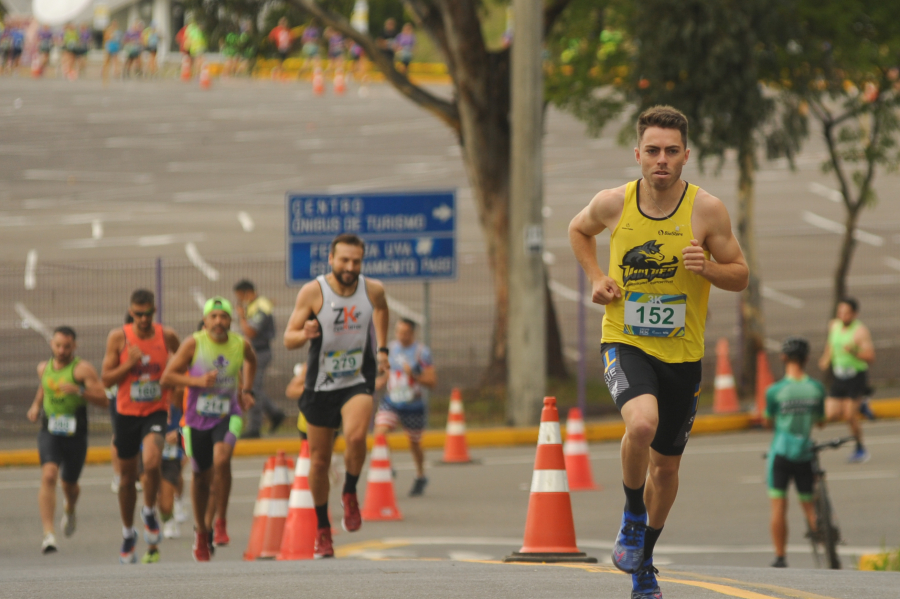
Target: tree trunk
{"x": 848, "y": 246}
{"x": 556, "y": 362}
{"x": 751, "y": 309}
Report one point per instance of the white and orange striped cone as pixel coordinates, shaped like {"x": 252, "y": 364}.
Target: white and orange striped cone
{"x": 186, "y": 68}
{"x": 205, "y": 80}
{"x": 549, "y": 527}
{"x": 299, "y": 538}
{"x": 340, "y": 82}
{"x": 455, "y": 449}
{"x": 764, "y": 380}
{"x": 278, "y": 506}
{"x": 725, "y": 399}
{"x": 578, "y": 462}
{"x": 380, "y": 502}
{"x": 36, "y": 66}
{"x": 260, "y": 512}
{"x": 318, "y": 81}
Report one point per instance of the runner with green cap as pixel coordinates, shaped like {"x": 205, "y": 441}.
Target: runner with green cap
{"x": 68, "y": 383}
{"x": 217, "y": 367}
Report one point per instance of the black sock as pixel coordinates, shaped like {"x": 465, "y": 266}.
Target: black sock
{"x": 322, "y": 516}
{"x": 650, "y": 538}
{"x": 350, "y": 483}
{"x": 634, "y": 500}
{"x": 859, "y": 445}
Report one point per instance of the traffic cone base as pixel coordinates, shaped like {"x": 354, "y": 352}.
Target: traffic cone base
{"x": 299, "y": 538}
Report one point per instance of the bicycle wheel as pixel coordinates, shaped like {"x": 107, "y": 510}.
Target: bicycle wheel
{"x": 827, "y": 532}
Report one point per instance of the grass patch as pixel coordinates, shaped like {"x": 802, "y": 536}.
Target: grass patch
{"x": 886, "y": 561}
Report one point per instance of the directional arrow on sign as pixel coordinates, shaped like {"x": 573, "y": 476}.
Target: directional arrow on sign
{"x": 443, "y": 213}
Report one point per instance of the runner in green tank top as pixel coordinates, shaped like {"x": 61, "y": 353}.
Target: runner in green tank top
{"x": 848, "y": 353}
{"x": 67, "y": 384}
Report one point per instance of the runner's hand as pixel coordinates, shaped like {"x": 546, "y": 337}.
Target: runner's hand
{"x": 383, "y": 364}
{"x": 33, "y": 412}
{"x": 172, "y": 437}
{"x": 311, "y": 329}
{"x": 134, "y": 355}
{"x": 694, "y": 259}
{"x": 247, "y": 401}
{"x": 207, "y": 380}
{"x": 605, "y": 291}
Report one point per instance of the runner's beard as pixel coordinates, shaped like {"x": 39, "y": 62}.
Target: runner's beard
{"x": 218, "y": 332}
{"x": 345, "y": 278}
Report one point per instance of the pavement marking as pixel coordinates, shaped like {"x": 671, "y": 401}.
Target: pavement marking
{"x": 30, "y": 321}
{"x": 245, "y": 220}
{"x": 30, "y": 266}
{"x": 197, "y": 260}
{"x": 826, "y": 192}
{"x": 143, "y": 241}
{"x": 759, "y": 585}
{"x": 892, "y": 263}
{"x": 572, "y": 295}
{"x": 357, "y": 548}
{"x": 405, "y": 311}
{"x": 86, "y": 176}
{"x": 97, "y": 229}
{"x": 838, "y": 228}
{"x": 782, "y": 298}
{"x": 198, "y": 296}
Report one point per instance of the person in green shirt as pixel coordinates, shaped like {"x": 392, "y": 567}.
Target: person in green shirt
{"x": 848, "y": 352}
{"x": 793, "y": 406}
{"x": 68, "y": 383}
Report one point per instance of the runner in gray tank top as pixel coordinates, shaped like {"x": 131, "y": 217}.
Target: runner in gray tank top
{"x": 335, "y": 314}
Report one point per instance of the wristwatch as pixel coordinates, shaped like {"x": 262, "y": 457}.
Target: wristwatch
{"x": 249, "y": 392}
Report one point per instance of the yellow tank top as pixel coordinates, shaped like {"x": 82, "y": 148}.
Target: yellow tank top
{"x": 662, "y": 310}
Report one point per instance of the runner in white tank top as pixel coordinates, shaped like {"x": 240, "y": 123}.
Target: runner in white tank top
{"x": 335, "y": 313}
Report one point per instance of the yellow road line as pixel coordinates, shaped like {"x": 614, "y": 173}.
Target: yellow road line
{"x": 719, "y": 588}
{"x": 363, "y": 546}
{"x": 797, "y": 594}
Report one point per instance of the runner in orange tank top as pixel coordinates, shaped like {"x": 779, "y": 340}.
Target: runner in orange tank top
{"x": 136, "y": 356}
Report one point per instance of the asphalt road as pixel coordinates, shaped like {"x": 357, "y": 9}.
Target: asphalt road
{"x": 718, "y": 528}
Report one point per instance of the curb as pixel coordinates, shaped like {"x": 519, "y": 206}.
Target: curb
{"x": 487, "y": 437}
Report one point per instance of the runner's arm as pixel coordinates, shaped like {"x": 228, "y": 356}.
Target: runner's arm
{"x": 825, "y": 360}
{"x": 113, "y": 371}
{"x": 171, "y": 339}
{"x": 94, "y": 391}
{"x": 175, "y": 373}
{"x": 298, "y": 332}
{"x": 380, "y": 318}
{"x": 35, "y": 409}
{"x": 296, "y": 385}
{"x": 728, "y": 270}
{"x": 427, "y": 377}
{"x": 865, "y": 349}
{"x": 583, "y": 229}
{"x": 246, "y": 399}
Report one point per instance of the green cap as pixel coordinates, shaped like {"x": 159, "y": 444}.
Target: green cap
{"x": 217, "y": 303}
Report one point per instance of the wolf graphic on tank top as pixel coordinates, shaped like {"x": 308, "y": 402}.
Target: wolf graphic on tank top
{"x": 341, "y": 356}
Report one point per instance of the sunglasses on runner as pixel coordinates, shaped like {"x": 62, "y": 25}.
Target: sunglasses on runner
{"x": 146, "y": 314}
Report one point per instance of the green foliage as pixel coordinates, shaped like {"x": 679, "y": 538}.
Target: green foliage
{"x": 886, "y": 561}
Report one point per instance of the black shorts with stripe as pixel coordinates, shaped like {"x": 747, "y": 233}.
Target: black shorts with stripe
{"x": 631, "y": 372}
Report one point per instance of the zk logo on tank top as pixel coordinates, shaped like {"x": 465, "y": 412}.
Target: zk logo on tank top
{"x": 346, "y": 320}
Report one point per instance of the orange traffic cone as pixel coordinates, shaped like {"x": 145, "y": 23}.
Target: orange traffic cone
{"x": 205, "y": 81}
{"x": 299, "y": 537}
{"x": 578, "y": 463}
{"x": 260, "y": 512}
{"x": 186, "y": 68}
{"x": 36, "y": 69}
{"x": 764, "y": 380}
{"x": 340, "y": 83}
{"x": 725, "y": 399}
{"x": 455, "y": 449}
{"x": 549, "y": 527}
{"x": 278, "y": 506}
{"x": 380, "y": 502}
{"x": 318, "y": 81}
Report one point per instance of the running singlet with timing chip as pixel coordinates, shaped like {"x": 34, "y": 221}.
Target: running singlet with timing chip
{"x": 662, "y": 310}
{"x": 207, "y": 406}
{"x": 342, "y": 355}
{"x": 140, "y": 393}
{"x": 65, "y": 414}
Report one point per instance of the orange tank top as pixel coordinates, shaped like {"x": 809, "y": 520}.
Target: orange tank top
{"x": 140, "y": 392}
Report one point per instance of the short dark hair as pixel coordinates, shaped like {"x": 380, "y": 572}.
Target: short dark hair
{"x": 664, "y": 117}
{"x": 408, "y": 321}
{"x": 349, "y": 239}
{"x": 244, "y": 285}
{"x": 65, "y": 330}
{"x": 143, "y": 297}
{"x": 852, "y": 302}
{"x": 129, "y": 318}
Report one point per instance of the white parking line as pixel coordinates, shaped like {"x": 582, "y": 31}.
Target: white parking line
{"x": 198, "y": 296}
{"x": 405, "y": 311}
{"x": 97, "y": 229}
{"x": 202, "y": 265}
{"x": 782, "y": 298}
{"x": 570, "y": 294}
{"x": 245, "y": 220}
{"x": 145, "y": 241}
{"x": 892, "y": 263}
{"x": 30, "y": 321}
{"x": 30, "y": 266}
{"x": 839, "y": 229}
{"x": 826, "y": 192}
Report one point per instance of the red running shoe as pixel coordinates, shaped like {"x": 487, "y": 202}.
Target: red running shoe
{"x": 352, "y": 519}
{"x": 220, "y": 535}
{"x": 323, "y": 547}
{"x": 200, "y": 549}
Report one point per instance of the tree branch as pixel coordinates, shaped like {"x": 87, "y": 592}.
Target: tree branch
{"x": 430, "y": 18}
{"x": 827, "y": 131}
{"x": 871, "y": 158}
{"x": 552, "y": 12}
{"x": 444, "y": 110}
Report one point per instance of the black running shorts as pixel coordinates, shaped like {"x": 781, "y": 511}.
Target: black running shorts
{"x": 630, "y": 372}
{"x": 853, "y": 388}
{"x": 131, "y": 430}
{"x": 200, "y": 444}
{"x": 66, "y": 452}
{"x": 323, "y": 408}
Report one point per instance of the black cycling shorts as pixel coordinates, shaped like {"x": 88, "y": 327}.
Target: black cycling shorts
{"x": 199, "y": 444}
{"x": 630, "y": 372}
{"x": 853, "y": 388}
{"x": 784, "y": 470}
{"x": 131, "y": 431}
{"x": 323, "y": 408}
{"x": 66, "y": 452}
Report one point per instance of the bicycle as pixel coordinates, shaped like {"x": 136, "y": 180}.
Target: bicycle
{"x": 827, "y": 536}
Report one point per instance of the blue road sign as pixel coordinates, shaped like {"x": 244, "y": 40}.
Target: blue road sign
{"x": 409, "y": 236}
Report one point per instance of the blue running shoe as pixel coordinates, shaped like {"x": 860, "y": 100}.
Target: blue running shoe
{"x": 866, "y": 409}
{"x": 859, "y": 456}
{"x": 643, "y": 582}
{"x": 628, "y": 552}
{"x": 126, "y": 555}
{"x": 151, "y": 528}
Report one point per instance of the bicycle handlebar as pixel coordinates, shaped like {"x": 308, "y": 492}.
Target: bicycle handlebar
{"x": 832, "y": 444}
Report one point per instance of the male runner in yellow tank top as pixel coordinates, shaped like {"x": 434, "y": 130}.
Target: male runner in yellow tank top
{"x": 664, "y": 233}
